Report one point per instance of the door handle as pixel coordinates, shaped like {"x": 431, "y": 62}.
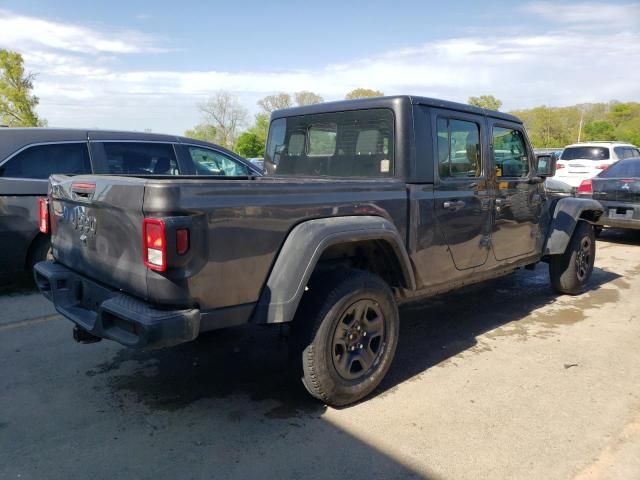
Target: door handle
{"x": 453, "y": 204}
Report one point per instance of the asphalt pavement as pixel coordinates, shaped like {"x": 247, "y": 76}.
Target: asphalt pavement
{"x": 501, "y": 380}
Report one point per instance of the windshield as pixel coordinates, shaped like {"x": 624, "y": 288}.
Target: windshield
{"x": 623, "y": 168}
{"x": 585, "y": 153}
{"x": 356, "y": 143}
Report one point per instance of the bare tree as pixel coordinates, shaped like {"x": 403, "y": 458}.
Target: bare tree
{"x": 275, "y": 102}
{"x": 226, "y": 114}
{"x": 307, "y": 98}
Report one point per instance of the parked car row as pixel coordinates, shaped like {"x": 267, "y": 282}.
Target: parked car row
{"x": 581, "y": 161}
{"x": 605, "y": 171}
{"x": 618, "y": 190}
{"x": 28, "y": 156}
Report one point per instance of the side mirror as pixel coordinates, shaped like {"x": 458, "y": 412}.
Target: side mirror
{"x": 546, "y": 165}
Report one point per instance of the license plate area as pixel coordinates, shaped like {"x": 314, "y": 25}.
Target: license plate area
{"x": 621, "y": 213}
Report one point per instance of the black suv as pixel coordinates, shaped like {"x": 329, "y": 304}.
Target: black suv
{"x": 29, "y": 155}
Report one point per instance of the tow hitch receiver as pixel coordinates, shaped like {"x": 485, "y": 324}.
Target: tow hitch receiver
{"x": 80, "y": 335}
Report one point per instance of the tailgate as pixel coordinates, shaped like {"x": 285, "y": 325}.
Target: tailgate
{"x": 96, "y": 229}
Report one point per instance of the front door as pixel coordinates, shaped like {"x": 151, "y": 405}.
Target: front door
{"x": 517, "y": 197}
{"x": 462, "y": 199}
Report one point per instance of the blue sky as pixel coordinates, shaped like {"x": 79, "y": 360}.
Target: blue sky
{"x": 141, "y": 64}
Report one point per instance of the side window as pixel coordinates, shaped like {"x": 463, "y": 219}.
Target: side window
{"x": 458, "y": 149}
{"x": 322, "y": 140}
{"x": 620, "y": 152}
{"x": 40, "y": 161}
{"x": 138, "y": 158}
{"x": 296, "y": 144}
{"x": 510, "y": 153}
{"x": 210, "y": 162}
{"x": 629, "y": 152}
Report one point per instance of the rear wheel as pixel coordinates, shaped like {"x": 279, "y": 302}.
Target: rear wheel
{"x": 346, "y": 333}
{"x": 570, "y": 271}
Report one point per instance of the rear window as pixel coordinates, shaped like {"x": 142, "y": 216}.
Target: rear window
{"x": 40, "y": 161}
{"x": 342, "y": 144}
{"x": 623, "y": 168}
{"x": 585, "y": 153}
{"x": 137, "y": 158}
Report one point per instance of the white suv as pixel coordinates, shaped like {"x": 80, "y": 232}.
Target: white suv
{"x": 581, "y": 161}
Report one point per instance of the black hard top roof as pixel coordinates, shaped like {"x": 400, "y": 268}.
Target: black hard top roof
{"x": 389, "y": 102}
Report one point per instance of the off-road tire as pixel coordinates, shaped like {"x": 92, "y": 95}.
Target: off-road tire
{"x": 330, "y": 309}
{"x": 571, "y": 271}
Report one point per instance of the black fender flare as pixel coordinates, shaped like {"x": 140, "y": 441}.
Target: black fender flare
{"x": 303, "y": 248}
{"x": 566, "y": 215}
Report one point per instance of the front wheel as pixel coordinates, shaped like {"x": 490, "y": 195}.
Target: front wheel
{"x": 347, "y": 333}
{"x": 570, "y": 271}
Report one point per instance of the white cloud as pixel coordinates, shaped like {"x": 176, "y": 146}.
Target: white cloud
{"x": 588, "y": 14}
{"x": 80, "y": 87}
{"x": 29, "y": 31}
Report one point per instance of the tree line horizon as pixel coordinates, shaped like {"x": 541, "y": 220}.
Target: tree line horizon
{"x": 226, "y": 120}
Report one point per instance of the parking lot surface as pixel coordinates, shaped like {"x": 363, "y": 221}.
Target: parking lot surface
{"x": 500, "y": 380}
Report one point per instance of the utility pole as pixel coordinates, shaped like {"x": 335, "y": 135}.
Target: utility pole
{"x": 580, "y": 127}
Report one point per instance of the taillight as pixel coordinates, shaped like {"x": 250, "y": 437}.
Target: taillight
{"x": 154, "y": 244}
{"x": 559, "y": 166}
{"x": 44, "y": 215}
{"x": 585, "y": 186}
{"x": 182, "y": 241}
{"x": 602, "y": 166}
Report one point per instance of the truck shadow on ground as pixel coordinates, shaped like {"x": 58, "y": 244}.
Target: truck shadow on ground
{"x": 255, "y": 361}
{"x": 620, "y": 236}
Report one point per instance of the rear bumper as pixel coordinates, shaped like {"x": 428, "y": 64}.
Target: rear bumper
{"x": 110, "y": 314}
{"x": 632, "y": 223}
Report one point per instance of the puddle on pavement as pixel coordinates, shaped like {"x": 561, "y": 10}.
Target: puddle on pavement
{"x": 566, "y": 310}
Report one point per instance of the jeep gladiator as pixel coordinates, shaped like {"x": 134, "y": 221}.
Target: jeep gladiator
{"x": 366, "y": 204}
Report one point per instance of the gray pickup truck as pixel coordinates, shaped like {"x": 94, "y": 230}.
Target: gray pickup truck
{"x": 367, "y": 204}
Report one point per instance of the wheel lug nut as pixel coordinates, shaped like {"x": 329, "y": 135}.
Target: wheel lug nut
{"x": 364, "y": 334}
{"x": 358, "y": 328}
{"x": 360, "y": 346}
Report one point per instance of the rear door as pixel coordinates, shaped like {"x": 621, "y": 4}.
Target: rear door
{"x": 126, "y": 157}
{"x": 517, "y": 200}
{"x": 96, "y": 228}
{"x": 462, "y": 199}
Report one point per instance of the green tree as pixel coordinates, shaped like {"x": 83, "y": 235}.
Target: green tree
{"x": 261, "y": 126}
{"x": 250, "y": 145}
{"x": 629, "y": 131}
{"x": 363, "y": 93}
{"x": 599, "y": 130}
{"x": 203, "y": 131}
{"x": 275, "y": 102}
{"x": 17, "y": 102}
{"x": 485, "y": 101}
{"x": 307, "y": 98}
{"x": 558, "y": 126}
